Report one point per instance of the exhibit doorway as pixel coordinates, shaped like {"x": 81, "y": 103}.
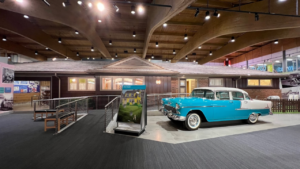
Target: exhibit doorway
{"x": 190, "y": 85}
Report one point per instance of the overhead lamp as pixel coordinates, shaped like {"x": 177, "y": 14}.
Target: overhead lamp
{"x": 185, "y": 37}
{"x": 112, "y": 58}
{"x": 232, "y": 39}
{"x": 133, "y": 34}
{"x": 197, "y": 12}
{"x": 66, "y": 58}
{"x": 216, "y": 14}
{"x": 152, "y": 56}
{"x": 92, "y": 49}
{"x": 165, "y": 25}
{"x": 132, "y": 9}
{"x": 99, "y": 20}
{"x": 156, "y": 44}
{"x": 25, "y": 16}
{"x": 134, "y": 50}
{"x": 276, "y": 42}
{"x": 116, "y": 55}
{"x": 100, "y": 6}
{"x": 36, "y": 53}
{"x": 93, "y": 58}
{"x": 140, "y": 9}
{"x": 4, "y": 38}
{"x": 77, "y": 54}
{"x": 46, "y": 2}
{"x": 194, "y": 61}
{"x": 116, "y": 8}
{"x": 66, "y": 3}
{"x": 79, "y": 2}
{"x": 186, "y": 57}
{"x": 289, "y": 59}
{"x": 19, "y": 1}
{"x": 199, "y": 47}
{"x": 277, "y": 61}
{"x": 47, "y": 48}
{"x": 207, "y": 16}
{"x": 210, "y": 53}
{"x": 90, "y": 5}
{"x": 174, "y": 52}
{"x": 76, "y": 32}
{"x": 110, "y": 42}
{"x": 54, "y": 59}
{"x": 59, "y": 40}
{"x": 88, "y": 58}
{"x": 256, "y": 17}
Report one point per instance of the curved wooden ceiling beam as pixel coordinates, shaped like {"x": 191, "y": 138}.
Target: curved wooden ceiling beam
{"x": 250, "y": 39}
{"x": 14, "y": 47}
{"x": 15, "y": 23}
{"x": 231, "y": 23}
{"x": 73, "y": 16}
{"x": 159, "y": 15}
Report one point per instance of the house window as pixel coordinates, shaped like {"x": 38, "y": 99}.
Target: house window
{"x": 260, "y": 82}
{"x": 216, "y": 82}
{"x": 81, "y": 84}
{"x": 117, "y": 82}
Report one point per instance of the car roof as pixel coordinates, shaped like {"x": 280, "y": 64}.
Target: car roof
{"x": 222, "y": 88}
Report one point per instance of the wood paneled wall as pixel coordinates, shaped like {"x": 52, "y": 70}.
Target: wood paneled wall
{"x": 54, "y": 87}
{"x": 152, "y": 87}
{"x": 23, "y": 97}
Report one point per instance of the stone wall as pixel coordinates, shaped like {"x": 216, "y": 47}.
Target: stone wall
{"x": 174, "y": 85}
{"x": 263, "y": 93}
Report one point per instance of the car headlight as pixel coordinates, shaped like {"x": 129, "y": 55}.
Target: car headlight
{"x": 177, "y": 106}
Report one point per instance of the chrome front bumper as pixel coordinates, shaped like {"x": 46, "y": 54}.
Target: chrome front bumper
{"x": 172, "y": 116}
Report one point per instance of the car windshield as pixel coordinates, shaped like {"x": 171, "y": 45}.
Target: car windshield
{"x": 203, "y": 93}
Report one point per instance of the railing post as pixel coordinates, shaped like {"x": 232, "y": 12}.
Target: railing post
{"x": 87, "y": 105}
{"x": 96, "y": 102}
{"x": 75, "y": 111}
{"x": 112, "y": 111}
{"x": 34, "y": 109}
{"x": 105, "y": 120}
{"x": 69, "y": 106}
{"x": 56, "y": 128}
{"x": 157, "y": 102}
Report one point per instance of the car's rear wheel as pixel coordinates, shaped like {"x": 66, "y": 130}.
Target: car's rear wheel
{"x": 253, "y": 118}
{"x": 193, "y": 121}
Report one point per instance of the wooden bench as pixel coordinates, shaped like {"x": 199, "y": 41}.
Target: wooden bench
{"x": 63, "y": 118}
{"x": 42, "y": 112}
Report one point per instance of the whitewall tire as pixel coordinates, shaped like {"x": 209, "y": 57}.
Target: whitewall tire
{"x": 193, "y": 121}
{"x": 253, "y": 118}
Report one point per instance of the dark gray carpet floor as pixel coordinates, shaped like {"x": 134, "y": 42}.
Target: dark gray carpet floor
{"x": 24, "y": 144}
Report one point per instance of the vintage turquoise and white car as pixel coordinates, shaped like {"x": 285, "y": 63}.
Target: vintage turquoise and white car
{"x": 212, "y": 104}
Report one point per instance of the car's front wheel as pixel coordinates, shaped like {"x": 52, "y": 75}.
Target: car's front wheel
{"x": 193, "y": 121}
{"x": 253, "y": 118}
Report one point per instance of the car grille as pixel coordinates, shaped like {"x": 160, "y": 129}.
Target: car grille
{"x": 170, "y": 108}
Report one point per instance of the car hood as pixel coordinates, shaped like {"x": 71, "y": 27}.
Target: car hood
{"x": 186, "y": 101}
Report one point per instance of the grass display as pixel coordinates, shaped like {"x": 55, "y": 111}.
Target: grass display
{"x": 130, "y": 113}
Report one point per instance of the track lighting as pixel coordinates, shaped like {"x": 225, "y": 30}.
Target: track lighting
{"x": 276, "y": 42}
{"x": 54, "y": 59}
{"x": 207, "y": 16}
{"x": 116, "y": 8}
{"x": 76, "y": 32}
{"x": 4, "y": 38}
{"x": 185, "y": 37}
{"x": 174, "y": 52}
{"x": 165, "y": 25}
{"x": 116, "y": 55}
{"x": 197, "y": 12}
{"x": 134, "y": 50}
{"x": 47, "y": 48}
{"x": 216, "y": 14}
{"x": 92, "y": 49}
{"x": 36, "y": 53}
{"x": 256, "y": 17}
{"x": 199, "y": 47}
{"x": 100, "y": 6}
{"x": 88, "y": 58}
{"x": 25, "y": 16}
{"x": 152, "y": 56}
{"x": 66, "y": 3}
{"x": 110, "y": 42}
{"x": 133, "y": 34}
{"x": 77, "y": 54}
{"x": 132, "y": 9}
{"x": 46, "y": 2}
{"x": 59, "y": 40}
{"x": 186, "y": 57}
{"x": 66, "y": 58}
{"x": 79, "y": 2}
{"x": 90, "y": 5}
{"x": 156, "y": 44}
{"x": 232, "y": 39}
{"x": 210, "y": 53}
{"x": 99, "y": 20}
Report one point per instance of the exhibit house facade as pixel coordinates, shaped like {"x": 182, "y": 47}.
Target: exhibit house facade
{"x": 86, "y": 78}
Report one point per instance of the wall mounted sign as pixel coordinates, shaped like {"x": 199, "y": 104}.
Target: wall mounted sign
{"x": 1, "y": 89}
{"x": 6, "y": 84}
{"x": 8, "y": 90}
{"x": 26, "y": 86}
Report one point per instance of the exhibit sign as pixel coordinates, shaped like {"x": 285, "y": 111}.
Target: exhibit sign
{"x": 26, "y": 87}
{"x": 6, "y": 86}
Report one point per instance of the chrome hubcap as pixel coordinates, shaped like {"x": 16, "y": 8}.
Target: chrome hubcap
{"x": 253, "y": 117}
{"x": 194, "y": 121}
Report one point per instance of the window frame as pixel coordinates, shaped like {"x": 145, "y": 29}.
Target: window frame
{"x": 229, "y": 94}
{"x": 112, "y": 81}
{"x": 238, "y": 92}
{"x": 77, "y": 84}
{"x": 216, "y": 85}
{"x": 259, "y": 83}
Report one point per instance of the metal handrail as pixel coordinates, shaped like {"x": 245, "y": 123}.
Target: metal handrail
{"x": 155, "y": 94}
{"x": 111, "y": 101}
{"x": 70, "y": 102}
{"x": 63, "y": 98}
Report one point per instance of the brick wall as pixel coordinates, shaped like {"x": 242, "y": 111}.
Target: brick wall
{"x": 174, "y": 85}
{"x": 263, "y": 93}
{"x": 203, "y": 82}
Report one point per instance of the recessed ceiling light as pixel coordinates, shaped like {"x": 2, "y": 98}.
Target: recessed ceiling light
{"x": 165, "y": 24}
{"x": 132, "y": 9}
{"x": 76, "y": 32}
{"x": 100, "y": 6}
{"x": 25, "y": 16}
{"x": 90, "y": 4}
{"x": 99, "y": 20}
{"x": 199, "y": 47}
{"x": 4, "y": 38}
{"x": 79, "y": 2}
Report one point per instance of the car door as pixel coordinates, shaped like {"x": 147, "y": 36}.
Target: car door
{"x": 238, "y": 100}
{"x": 223, "y": 106}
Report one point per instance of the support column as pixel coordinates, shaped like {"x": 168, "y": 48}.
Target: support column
{"x": 247, "y": 65}
{"x": 284, "y": 61}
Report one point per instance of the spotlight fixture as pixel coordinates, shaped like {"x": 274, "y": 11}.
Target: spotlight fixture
{"x": 276, "y": 42}
{"x": 165, "y": 25}
{"x": 207, "y": 16}
{"x": 47, "y": 48}
{"x": 66, "y": 58}
{"x": 186, "y": 57}
{"x": 88, "y": 58}
{"x": 197, "y": 12}
{"x": 110, "y": 42}
{"x": 199, "y": 47}
{"x": 19, "y": 1}
{"x": 46, "y": 2}
{"x": 174, "y": 52}
{"x": 232, "y": 39}
{"x": 99, "y": 20}
{"x": 116, "y": 7}
{"x": 116, "y": 55}
{"x": 92, "y": 49}
{"x": 25, "y": 16}
{"x": 59, "y": 40}
{"x": 54, "y": 59}
{"x": 210, "y": 53}
{"x": 134, "y": 50}
{"x": 156, "y": 44}
{"x": 79, "y": 2}
{"x": 36, "y": 53}
{"x": 256, "y": 17}
{"x": 185, "y": 37}
{"x": 133, "y": 34}
{"x": 112, "y": 58}
{"x": 216, "y": 14}
{"x": 132, "y": 9}
{"x": 152, "y": 56}
{"x": 140, "y": 9}
{"x": 194, "y": 61}
{"x": 76, "y": 32}
{"x": 90, "y": 5}
{"x": 77, "y": 54}
{"x": 93, "y": 58}
{"x": 66, "y": 3}
{"x": 100, "y": 6}
{"x": 4, "y": 38}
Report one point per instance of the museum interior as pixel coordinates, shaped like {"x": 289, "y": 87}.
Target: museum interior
{"x": 149, "y": 84}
